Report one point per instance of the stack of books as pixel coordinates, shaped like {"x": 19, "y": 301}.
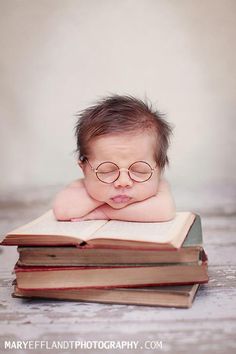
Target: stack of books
{"x": 159, "y": 264}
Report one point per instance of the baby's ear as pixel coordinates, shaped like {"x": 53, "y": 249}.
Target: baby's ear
{"x": 81, "y": 164}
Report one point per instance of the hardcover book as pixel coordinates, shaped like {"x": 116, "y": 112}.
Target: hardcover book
{"x": 90, "y": 256}
{"x": 47, "y": 231}
{"x": 170, "y": 296}
{"x": 112, "y": 275}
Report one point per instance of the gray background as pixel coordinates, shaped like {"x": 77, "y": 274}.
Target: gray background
{"x": 59, "y": 56}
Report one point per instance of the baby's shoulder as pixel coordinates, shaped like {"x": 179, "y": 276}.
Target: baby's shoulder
{"x": 163, "y": 184}
{"x": 78, "y": 183}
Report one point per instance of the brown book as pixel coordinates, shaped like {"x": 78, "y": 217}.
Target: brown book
{"x": 168, "y": 296}
{"x": 92, "y": 256}
{"x": 47, "y": 231}
{"x": 112, "y": 276}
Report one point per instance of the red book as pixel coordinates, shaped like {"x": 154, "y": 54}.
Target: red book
{"x": 112, "y": 276}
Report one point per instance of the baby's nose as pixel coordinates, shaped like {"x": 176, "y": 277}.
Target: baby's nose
{"x": 124, "y": 180}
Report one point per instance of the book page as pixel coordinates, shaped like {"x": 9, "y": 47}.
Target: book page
{"x": 48, "y": 225}
{"x": 160, "y": 232}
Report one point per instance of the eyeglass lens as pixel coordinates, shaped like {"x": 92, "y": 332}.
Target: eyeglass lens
{"x": 108, "y": 172}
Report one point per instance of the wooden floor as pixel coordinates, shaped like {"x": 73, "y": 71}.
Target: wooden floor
{"x": 208, "y": 327}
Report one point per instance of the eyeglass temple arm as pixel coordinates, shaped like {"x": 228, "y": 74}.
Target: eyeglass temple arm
{"x": 84, "y": 159}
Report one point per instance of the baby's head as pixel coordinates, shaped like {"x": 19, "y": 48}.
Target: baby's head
{"x": 128, "y": 135}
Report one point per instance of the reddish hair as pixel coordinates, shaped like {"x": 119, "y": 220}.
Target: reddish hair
{"x": 117, "y": 114}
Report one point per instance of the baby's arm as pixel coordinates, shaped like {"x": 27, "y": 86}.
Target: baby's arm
{"x": 160, "y": 207}
{"x": 74, "y": 202}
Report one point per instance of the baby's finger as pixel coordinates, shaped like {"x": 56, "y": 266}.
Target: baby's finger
{"x": 77, "y": 219}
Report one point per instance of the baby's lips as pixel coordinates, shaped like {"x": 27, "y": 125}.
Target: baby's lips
{"x": 121, "y": 199}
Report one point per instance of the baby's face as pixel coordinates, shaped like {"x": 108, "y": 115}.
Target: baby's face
{"x": 123, "y": 150}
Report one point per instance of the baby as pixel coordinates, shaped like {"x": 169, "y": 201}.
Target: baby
{"x": 122, "y": 150}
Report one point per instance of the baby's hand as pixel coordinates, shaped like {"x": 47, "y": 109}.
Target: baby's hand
{"x": 96, "y": 214}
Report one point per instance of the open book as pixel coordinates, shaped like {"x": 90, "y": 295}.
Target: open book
{"x": 47, "y": 231}
{"x": 190, "y": 251}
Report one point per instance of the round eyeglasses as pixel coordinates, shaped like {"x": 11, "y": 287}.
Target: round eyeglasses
{"x": 109, "y": 172}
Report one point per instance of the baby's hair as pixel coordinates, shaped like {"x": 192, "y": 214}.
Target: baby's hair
{"x": 118, "y": 114}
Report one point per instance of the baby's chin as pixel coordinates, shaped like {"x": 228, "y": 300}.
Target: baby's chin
{"x": 118, "y": 205}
